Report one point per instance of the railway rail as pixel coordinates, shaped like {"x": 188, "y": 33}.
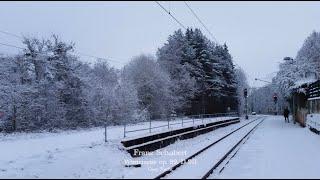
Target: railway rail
{"x": 215, "y": 153}
{"x": 160, "y": 140}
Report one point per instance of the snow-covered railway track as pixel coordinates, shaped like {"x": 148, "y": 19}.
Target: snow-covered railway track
{"x": 215, "y": 153}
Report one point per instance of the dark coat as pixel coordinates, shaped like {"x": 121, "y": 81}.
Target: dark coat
{"x": 286, "y": 112}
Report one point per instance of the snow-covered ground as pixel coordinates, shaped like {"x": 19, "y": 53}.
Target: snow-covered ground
{"x": 277, "y": 150}
{"x": 63, "y": 155}
{"x": 71, "y": 154}
{"x": 116, "y": 132}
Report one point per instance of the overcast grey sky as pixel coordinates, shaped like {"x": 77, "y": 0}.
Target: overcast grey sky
{"x": 259, "y": 34}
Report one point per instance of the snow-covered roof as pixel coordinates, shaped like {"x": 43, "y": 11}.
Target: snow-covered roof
{"x": 301, "y": 85}
{"x": 304, "y": 81}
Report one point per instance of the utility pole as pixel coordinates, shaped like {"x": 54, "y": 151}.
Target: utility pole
{"x": 14, "y": 118}
{"x": 275, "y": 99}
{"x": 291, "y": 60}
{"x": 245, "y": 94}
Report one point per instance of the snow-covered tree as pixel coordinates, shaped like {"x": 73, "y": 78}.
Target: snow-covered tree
{"x": 153, "y": 85}
{"x": 100, "y": 82}
{"x": 225, "y": 78}
{"x": 174, "y": 57}
{"x": 304, "y": 68}
{"x": 309, "y": 56}
{"x": 260, "y": 99}
{"x": 46, "y": 92}
{"x": 208, "y": 64}
{"x": 8, "y": 92}
{"x": 242, "y": 83}
{"x": 127, "y": 103}
{"x": 47, "y": 87}
{"x": 112, "y": 100}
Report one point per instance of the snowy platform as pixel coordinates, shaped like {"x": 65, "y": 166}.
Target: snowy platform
{"x": 145, "y": 138}
{"x": 163, "y": 139}
{"x": 276, "y": 150}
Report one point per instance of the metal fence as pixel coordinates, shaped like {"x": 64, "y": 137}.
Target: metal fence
{"x": 172, "y": 121}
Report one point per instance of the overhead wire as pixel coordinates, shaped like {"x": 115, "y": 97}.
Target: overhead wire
{"x": 197, "y": 17}
{"x": 168, "y": 12}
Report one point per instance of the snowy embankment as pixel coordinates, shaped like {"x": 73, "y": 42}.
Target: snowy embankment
{"x": 313, "y": 121}
{"x": 76, "y": 154}
{"x": 49, "y": 155}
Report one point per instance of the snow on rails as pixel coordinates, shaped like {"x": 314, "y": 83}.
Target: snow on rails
{"x": 215, "y": 153}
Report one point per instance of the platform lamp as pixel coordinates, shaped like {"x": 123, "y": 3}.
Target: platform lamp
{"x": 291, "y": 62}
